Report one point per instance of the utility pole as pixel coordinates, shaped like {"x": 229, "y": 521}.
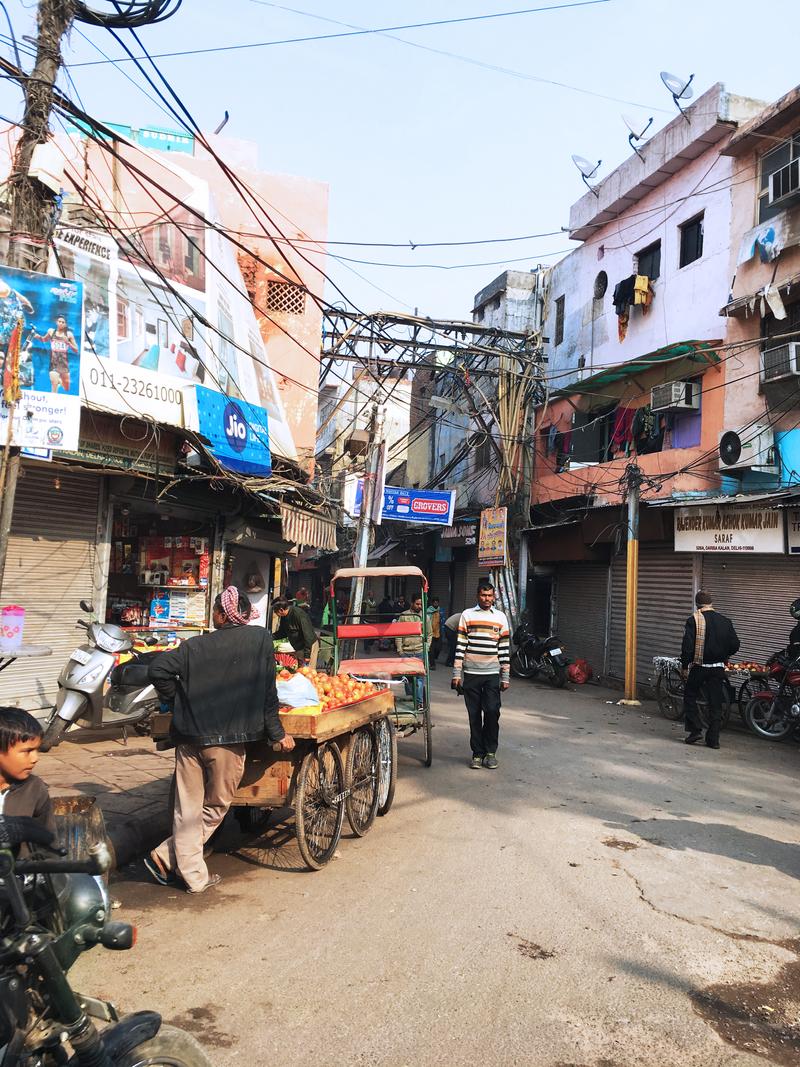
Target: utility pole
{"x": 32, "y": 212}
{"x": 634, "y": 482}
{"x": 368, "y": 505}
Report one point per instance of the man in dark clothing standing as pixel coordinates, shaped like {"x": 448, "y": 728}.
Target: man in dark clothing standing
{"x": 709, "y": 641}
{"x": 295, "y": 627}
{"x": 221, "y": 690}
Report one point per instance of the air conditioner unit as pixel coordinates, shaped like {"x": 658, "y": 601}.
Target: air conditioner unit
{"x": 752, "y": 449}
{"x": 780, "y": 362}
{"x": 675, "y": 396}
{"x": 784, "y": 183}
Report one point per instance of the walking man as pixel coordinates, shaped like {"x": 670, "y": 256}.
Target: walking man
{"x": 709, "y": 641}
{"x": 481, "y": 672}
{"x": 220, "y": 688}
{"x": 435, "y": 621}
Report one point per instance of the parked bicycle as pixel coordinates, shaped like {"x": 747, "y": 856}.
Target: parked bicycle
{"x": 669, "y": 687}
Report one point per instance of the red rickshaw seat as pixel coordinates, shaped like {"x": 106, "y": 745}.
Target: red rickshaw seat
{"x": 383, "y": 666}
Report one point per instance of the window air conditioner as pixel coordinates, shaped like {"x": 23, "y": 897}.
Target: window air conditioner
{"x": 784, "y": 183}
{"x": 675, "y": 396}
{"x": 780, "y": 362}
{"x": 752, "y": 448}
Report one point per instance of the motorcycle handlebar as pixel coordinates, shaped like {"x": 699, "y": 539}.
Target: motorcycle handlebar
{"x": 94, "y": 865}
{"x": 84, "y": 625}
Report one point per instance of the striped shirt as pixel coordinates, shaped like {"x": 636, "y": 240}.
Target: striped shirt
{"x": 482, "y": 645}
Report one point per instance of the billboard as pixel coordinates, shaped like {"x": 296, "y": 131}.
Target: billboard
{"x": 492, "y": 538}
{"x": 238, "y": 432}
{"x": 41, "y": 337}
{"x": 430, "y": 506}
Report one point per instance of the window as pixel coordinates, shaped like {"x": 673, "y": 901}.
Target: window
{"x": 483, "y": 455}
{"x": 163, "y": 245}
{"x": 559, "y": 320}
{"x": 122, "y": 318}
{"x": 285, "y": 297}
{"x": 691, "y": 241}
{"x": 191, "y": 259}
{"x": 770, "y": 162}
{"x": 648, "y": 261}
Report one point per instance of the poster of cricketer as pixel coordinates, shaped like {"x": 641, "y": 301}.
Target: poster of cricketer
{"x": 41, "y": 329}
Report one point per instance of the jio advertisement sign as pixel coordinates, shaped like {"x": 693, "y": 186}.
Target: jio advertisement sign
{"x": 238, "y": 432}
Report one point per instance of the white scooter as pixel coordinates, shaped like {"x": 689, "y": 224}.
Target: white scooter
{"x": 97, "y": 693}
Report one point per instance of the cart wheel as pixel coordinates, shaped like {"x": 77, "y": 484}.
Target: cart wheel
{"x": 319, "y": 805}
{"x": 387, "y": 751}
{"x": 669, "y": 693}
{"x": 427, "y": 758}
{"x": 363, "y": 780}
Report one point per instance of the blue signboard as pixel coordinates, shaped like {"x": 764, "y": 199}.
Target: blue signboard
{"x": 238, "y": 432}
{"x": 413, "y": 505}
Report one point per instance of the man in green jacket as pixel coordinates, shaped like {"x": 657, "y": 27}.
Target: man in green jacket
{"x": 294, "y": 627}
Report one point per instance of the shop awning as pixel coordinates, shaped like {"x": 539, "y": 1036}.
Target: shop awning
{"x": 383, "y": 550}
{"x": 611, "y": 381}
{"x": 756, "y": 303}
{"x": 781, "y": 497}
{"x": 306, "y": 528}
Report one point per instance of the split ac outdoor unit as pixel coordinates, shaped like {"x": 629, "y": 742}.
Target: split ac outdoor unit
{"x": 752, "y": 448}
{"x": 784, "y": 183}
{"x": 780, "y": 362}
{"x": 675, "y": 396}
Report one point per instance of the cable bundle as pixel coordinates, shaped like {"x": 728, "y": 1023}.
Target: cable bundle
{"x": 127, "y": 14}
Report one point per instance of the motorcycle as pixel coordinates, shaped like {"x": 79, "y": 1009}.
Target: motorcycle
{"x": 46, "y": 921}
{"x": 98, "y": 692}
{"x": 773, "y": 712}
{"x": 538, "y": 655}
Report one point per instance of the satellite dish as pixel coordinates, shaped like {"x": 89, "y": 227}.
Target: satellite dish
{"x": 588, "y": 170}
{"x": 638, "y": 128}
{"x": 679, "y": 88}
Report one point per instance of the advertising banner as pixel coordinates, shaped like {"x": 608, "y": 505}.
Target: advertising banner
{"x": 492, "y": 538}
{"x": 41, "y": 326}
{"x": 730, "y": 528}
{"x": 238, "y": 432}
{"x": 433, "y": 506}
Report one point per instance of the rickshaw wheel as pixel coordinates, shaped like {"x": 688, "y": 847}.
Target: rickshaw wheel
{"x": 319, "y": 805}
{"x": 363, "y": 780}
{"x": 387, "y": 753}
{"x": 427, "y": 758}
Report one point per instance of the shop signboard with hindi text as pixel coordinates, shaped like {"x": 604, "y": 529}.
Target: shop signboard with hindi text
{"x": 730, "y": 528}
{"x": 492, "y": 537}
{"x": 41, "y": 327}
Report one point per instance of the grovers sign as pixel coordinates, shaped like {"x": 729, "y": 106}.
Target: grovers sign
{"x": 729, "y": 528}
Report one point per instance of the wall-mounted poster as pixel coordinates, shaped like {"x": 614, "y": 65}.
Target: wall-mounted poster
{"x": 41, "y": 331}
{"x": 492, "y": 538}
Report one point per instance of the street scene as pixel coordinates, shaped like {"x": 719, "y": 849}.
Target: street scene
{"x": 399, "y": 535}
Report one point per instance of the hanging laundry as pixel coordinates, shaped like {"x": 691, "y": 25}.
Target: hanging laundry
{"x": 624, "y": 295}
{"x": 622, "y": 436}
{"x": 775, "y": 303}
{"x": 643, "y": 292}
{"x": 622, "y": 325}
{"x": 552, "y": 434}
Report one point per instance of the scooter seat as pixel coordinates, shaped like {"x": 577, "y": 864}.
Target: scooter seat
{"x": 135, "y": 674}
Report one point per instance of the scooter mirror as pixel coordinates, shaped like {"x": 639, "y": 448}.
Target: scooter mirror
{"x": 86, "y": 606}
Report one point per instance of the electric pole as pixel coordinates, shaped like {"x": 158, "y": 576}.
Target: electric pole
{"x": 33, "y": 214}
{"x": 369, "y": 506}
{"x": 634, "y": 481}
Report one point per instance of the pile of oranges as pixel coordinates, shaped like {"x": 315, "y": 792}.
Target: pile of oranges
{"x": 335, "y": 691}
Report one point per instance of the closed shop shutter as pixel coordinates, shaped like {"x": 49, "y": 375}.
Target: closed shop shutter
{"x": 466, "y": 578}
{"x": 49, "y": 568}
{"x": 582, "y": 592}
{"x": 755, "y": 593}
{"x": 439, "y": 583}
{"x": 666, "y": 587}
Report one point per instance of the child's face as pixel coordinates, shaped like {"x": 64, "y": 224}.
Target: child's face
{"x": 18, "y": 762}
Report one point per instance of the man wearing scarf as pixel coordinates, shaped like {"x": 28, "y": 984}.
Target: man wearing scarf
{"x": 220, "y": 688}
{"x": 709, "y": 641}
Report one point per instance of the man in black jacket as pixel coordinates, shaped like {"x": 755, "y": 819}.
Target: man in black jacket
{"x": 221, "y": 690}
{"x": 709, "y": 641}
{"x": 295, "y": 627}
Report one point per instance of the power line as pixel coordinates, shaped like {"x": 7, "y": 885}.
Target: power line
{"x": 352, "y": 33}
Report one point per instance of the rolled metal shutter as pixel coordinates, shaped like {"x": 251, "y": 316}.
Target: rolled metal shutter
{"x": 666, "y": 585}
{"x": 49, "y": 568}
{"x": 755, "y": 593}
{"x": 439, "y": 583}
{"x": 581, "y": 596}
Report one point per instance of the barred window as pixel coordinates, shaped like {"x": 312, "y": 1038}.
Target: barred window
{"x": 286, "y": 297}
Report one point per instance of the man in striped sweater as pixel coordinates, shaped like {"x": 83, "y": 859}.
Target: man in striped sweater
{"x": 481, "y": 672}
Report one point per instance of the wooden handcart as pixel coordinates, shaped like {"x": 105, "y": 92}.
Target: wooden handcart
{"x": 344, "y": 762}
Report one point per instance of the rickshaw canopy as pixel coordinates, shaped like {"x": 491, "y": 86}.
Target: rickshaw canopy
{"x": 346, "y": 573}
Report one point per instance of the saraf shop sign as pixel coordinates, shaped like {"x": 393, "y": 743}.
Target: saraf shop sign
{"x": 237, "y": 431}
{"x": 729, "y": 528}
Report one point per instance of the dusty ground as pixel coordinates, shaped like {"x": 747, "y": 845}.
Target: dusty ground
{"x": 608, "y": 898}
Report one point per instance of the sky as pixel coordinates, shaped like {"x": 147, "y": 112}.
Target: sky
{"x": 436, "y": 134}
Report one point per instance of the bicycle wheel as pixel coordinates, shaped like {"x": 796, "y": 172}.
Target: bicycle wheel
{"x": 427, "y": 735}
{"x": 669, "y": 693}
{"x": 363, "y": 780}
{"x": 319, "y": 804}
{"x": 387, "y": 750}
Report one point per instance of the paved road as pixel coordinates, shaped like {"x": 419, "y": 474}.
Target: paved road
{"x": 608, "y": 898}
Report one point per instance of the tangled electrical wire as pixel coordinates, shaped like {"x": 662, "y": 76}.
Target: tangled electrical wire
{"x": 127, "y": 14}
